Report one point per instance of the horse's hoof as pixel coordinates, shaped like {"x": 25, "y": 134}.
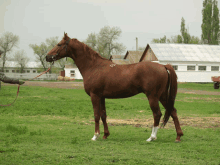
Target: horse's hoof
{"x": 106, "y": 135}
{"x": 151, "y": 139}
{"x": 95, "y": 137}
{"x": 177, "y": 141}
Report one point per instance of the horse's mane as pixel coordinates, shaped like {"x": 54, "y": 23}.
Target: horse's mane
{"x": 92, "y": 53}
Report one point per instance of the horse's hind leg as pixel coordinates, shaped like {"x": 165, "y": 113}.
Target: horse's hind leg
{"x": 154, "y": 104}
{"x": 177, "y": 125}
{"x": 175, "y": 119}
{"x": 103, "y": 117}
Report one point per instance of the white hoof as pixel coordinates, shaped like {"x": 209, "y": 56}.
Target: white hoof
{"x": 153, "y": 134}
{"x": 95, "y": 137}
{"x": 151, "y": 139}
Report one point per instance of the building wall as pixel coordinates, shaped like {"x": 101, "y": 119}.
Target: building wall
{"x": 150, "y": 56}
{"x": 196, "y": 75}
{"x": 17, "y": 70}
{"x": 73, "y": 73}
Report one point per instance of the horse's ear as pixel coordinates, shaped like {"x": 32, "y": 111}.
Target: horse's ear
{"x": 66, "y": 37}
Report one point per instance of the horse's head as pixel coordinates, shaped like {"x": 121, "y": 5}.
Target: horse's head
{"x": 60, "y": 50}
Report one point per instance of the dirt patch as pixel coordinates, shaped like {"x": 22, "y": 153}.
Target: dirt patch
{"x": 199, "y": 99}
{"x": 201, "y": 122}
{"x": 182, "y": 90}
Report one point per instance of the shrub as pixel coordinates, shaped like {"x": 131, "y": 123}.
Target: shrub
{"x": 66, "y": 78}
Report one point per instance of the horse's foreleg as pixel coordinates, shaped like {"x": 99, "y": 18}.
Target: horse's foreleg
{"x": 154, "y": 104}
{"x": 96, "y": 106}
{"x": 103, "y": 117}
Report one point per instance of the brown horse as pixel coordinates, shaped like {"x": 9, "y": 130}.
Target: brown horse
{"x": 104, "y": 79}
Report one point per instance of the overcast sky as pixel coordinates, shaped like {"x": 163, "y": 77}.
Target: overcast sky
{"x": 35, "y": 20}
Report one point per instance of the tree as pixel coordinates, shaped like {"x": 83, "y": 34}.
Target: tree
{"x": 105, "y": 41}
{"x": 51, "y": 42}
{"x": 210, "y": 22}
{"x": 161, "y": 40}
{"x": 91, "y": 41}
{"x": 195, "y": 40}
{"x": 21, "y": 59}
{"x": 7, "y": 42}
{"x": 175, "y": 39}
{"x": 42, "y": 50}
{"x": 185, "y": 35}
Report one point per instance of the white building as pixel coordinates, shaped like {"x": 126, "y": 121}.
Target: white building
{"x": 73, "y": 72}
{"x": 193, "y": 63}
{"x": 12, "y": 69}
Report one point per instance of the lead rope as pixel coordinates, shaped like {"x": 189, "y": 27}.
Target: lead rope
{"x": 26, "y": 81}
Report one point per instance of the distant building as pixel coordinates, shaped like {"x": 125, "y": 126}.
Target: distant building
{"x": 73, "y": 72}
{"x": 119, "y": 59}
{"x": 133, "y": 56}
{"x": 11, "y": 69}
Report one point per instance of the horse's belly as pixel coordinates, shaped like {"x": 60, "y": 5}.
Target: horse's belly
{"x": 120, "y": 92}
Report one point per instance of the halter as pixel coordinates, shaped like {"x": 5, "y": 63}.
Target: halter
{"x": 65, "y": 46}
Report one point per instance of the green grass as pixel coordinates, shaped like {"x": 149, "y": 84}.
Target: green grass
{"x": 76, "y": 103}
{"x": 53, "y": 140}
{"x": 198, "y": 86}
{"x": 54, "y": 126}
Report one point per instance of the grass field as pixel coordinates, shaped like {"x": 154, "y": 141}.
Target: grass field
{"x": 54, "y": 126}
{"x": 198, "y": 86}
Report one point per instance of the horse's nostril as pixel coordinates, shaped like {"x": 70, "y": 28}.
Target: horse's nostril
{"x": 48, "y": 58}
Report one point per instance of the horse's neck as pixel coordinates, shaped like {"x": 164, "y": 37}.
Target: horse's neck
{"x": 86, "y": 63}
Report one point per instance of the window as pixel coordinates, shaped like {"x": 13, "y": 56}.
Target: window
{"x": 23, "y": 71}
{"x": 72, "y": 73}
{"x": 175, "y": 67}
{"x": 13, "y": 71}
{"x": 6, "y": 71}
{"x": 214, "y": 68}
{"x": 34, "y": 71}
{"x": 191, "y": 67}
{"x": 17, "y": 71}
{"x": 202, "y": 68}
{"x": 28, "y": 71}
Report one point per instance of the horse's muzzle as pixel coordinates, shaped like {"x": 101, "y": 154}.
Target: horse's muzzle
{"x": 50, "y": 58}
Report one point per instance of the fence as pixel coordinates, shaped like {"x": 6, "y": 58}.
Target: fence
{"x": 26, "y": 76}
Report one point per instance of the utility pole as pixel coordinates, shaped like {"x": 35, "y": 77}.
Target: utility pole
{"x": 136, "y": 44}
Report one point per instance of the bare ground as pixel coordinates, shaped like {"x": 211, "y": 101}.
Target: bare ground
{"x": 201, "y": 122}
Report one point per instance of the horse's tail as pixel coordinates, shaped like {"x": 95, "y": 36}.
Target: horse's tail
{"x": 172, "y": 91}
